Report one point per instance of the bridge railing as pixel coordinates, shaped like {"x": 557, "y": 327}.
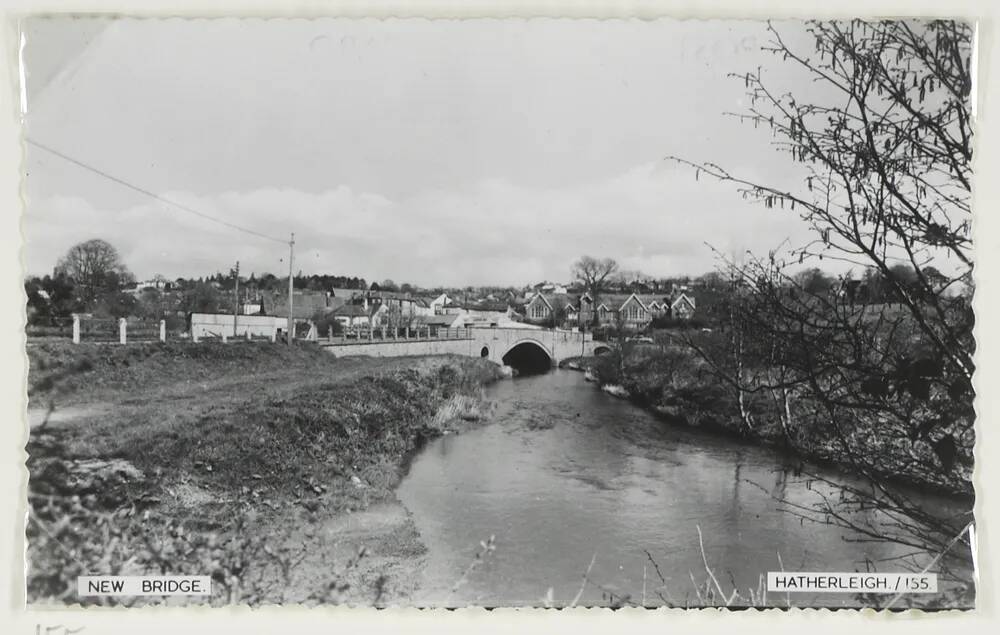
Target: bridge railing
{"x": 362, "y": 334}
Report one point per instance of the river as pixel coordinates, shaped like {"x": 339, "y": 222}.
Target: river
{"x": 565, "y": 474}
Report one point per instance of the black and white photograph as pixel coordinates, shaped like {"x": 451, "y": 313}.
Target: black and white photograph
{"x": 500, "y": 312}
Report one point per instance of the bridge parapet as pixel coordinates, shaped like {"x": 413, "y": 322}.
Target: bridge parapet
{"x": 493, "y": 343}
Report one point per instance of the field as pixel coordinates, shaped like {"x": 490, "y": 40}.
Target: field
{"x": 270, "y": 468}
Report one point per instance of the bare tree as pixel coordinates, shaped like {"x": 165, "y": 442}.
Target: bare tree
{"x": 885, "y": 153}
{"x": 593, "y": 273}
{"x": 95, "y": 267}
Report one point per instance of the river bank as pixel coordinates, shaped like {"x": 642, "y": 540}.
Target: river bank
{"x": 271, "y": 469}
{"x": 679, "y": 389}
{"x": 567, "y": 480}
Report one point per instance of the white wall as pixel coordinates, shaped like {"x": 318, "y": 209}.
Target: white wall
{"x": 215, "y": 324}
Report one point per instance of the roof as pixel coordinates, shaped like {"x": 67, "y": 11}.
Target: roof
{"x": 683, "y": 296}
{"x": 544, "y": 299}
{"x": 350, "y": 310}
{"x": 305, "y": 303}
{"x": 437, "y": 320}
{"x": 487, "y": 306}
{"x": 344, "y": 293}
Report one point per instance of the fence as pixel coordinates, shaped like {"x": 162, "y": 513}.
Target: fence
{"x": 53, "y": 327}
{"x": 120, "y": 330}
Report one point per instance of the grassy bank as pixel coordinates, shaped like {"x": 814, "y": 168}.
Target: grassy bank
{"x": 239, "y": 461}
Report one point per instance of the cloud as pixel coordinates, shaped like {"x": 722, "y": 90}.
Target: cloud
{"x": 650, "y": 218}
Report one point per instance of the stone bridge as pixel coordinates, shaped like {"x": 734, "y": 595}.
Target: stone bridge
{"x": 500, "y": 345}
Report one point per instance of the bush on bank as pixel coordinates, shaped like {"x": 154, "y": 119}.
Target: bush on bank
{"x": 670, "y": 379}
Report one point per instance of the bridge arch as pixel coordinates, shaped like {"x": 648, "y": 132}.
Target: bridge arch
{"x": 527, "y": 356}
{"x": 601, "y": 350}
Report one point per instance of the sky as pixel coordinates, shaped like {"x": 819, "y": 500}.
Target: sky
{"x": 432, "y": 152}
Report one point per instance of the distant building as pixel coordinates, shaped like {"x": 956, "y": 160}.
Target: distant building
{"x": 352, "y": 316}
{"x": 539, "y": 309}
{"x": 440, "y": 321}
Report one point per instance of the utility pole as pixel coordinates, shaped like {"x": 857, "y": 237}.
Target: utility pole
{"x": 291, "y": 283}
{"x": 236, "y": 310}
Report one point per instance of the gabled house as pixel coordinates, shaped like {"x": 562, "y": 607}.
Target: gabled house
{"x": 634, "y": 314}
{"x": 539, "y": 309}
{"x": 683, "y": 307}
{"x": 605, "y": 315}
{"x": 580, "y": 311}
{"x": 439, "y": 303}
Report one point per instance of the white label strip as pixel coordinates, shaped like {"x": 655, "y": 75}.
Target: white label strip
{"x": 143, "y": 585}
{"x": 799, "y": 582}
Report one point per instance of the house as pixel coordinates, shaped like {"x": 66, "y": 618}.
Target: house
{"x": 634, "y": 314}
{"x": 658, "y": 308}
{"x": 579, "y": 311}
{"x": 436, "y": 322}
{"x": 390, "y": 307}
{"x": 437, "y": 304}
{"x": 488, "y": 313}
{"x": 539, "y": 309}
{"x": 633, "y": 311}
{"x": 550, "y": 288}
{"x": 421, "y": 306}
{"x": 354, "y": 316}
{"x": 683, "y": 307}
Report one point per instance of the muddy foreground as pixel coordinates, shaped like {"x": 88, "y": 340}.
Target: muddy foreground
{"x": 272, "y": 470}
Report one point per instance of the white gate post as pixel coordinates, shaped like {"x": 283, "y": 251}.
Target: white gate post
{"x": 249, "y": 335}
{"x": 163, "y": 330}
{"x": 224, "y": 338}
{"x": 121, "y": 330}
{"x": 76, "y": 329}
{"x": 274, "y": 334}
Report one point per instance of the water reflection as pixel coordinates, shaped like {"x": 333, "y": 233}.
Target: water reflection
{"x": 566, "y": 472}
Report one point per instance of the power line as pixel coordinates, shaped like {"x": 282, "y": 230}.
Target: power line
{"x": 157, "y": 197}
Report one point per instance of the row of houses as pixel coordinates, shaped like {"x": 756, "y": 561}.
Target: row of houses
{"x": 632, "y": 311}
{"x": 358, "y": 308}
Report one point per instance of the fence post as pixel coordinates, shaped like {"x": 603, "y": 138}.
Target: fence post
{"x": 407, "y": 331}
{"x": 121, "y": 330}
{"x": 76, "y": 329}
{"x": 249, "y": 335}
{"x": 163, "y": 330}
{"x": 224, "y": 338}
{"x": 274, "y": 334}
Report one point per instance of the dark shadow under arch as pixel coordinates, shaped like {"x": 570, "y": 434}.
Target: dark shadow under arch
{"x": 528, "y": 358}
